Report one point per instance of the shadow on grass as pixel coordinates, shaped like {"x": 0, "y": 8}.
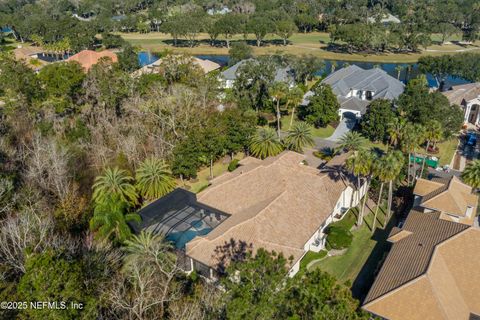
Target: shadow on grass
{"x": 366, "y": 276}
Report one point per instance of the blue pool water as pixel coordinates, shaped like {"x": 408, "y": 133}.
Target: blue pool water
{"x": 145, "y": 58}
{"x": 180, "y": 239}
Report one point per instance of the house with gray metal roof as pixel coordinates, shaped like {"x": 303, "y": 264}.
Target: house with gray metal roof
{"x": 282, "y": 74}
{"x": 356, "y": 88}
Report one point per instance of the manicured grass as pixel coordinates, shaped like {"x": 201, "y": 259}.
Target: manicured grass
{"x": 312, "y": 256}
{"x": 312, "y": 43}
{"x": 447, "y": 151}
{"x": 317, "y": 132}
{"x": 203, "y": 176}
{"x": 347, "y": 266}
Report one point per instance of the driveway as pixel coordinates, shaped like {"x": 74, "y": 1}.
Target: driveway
{"x": 344, "y": 126}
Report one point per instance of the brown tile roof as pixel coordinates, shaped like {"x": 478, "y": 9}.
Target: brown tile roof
{"x": 409, "y": 257}
{"x": 447, "y": 196}
{"x": 277, "y": 204}
{"x": 448, "y": 289}
{"x": 87, "y": 58}
{"x": 464, "y": 92}
{"x": 205, "y": 65}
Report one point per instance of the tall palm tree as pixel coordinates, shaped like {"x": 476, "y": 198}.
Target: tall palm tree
{"x": 352, "y": 141}
{"x": 114, "y": 182}
{"x": 278, "y": 91}
{"x": 379, "y": 171}
{"x": 109, "y": 220}
{"x": 360, "y": 164}
{"x": 265, "y": 143}
{"x": 295, "y": 97}
{"x": 395, "y": 130}
{"x": 299, "y": 137}
{"x": 146, "y": 246}
{"x": 412, "y": 138}
{"x": 393, "y": 165}
{"x": 471, "y": 174}
{"x": 154, "y": 179}
{"x": 433, "y": 133}
{"x": 399, "y": 69}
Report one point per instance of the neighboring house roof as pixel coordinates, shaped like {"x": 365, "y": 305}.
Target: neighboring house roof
{"x": 353, "y": 77}
{"x": 206, "y": 65}
{"x": 387, "y": 18}
{"x": 283, "y": 74}
{"x": 449, "y": 196}
{"x": 431, "y": 272}
{"x": 277, "y": 204}
{"x": 463, "y": 93}
{"x": 87, "y": 58}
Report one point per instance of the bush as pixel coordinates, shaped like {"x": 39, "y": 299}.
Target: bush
{"x": 233, "y": 165}
{"x": 339, "y": 237}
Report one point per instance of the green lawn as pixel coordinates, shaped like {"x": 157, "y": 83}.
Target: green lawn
{"x": 447, "y": 150}
{"x": 300, "y": 43}
{"x": 311, "y": 256}
{"x": 203, "y": 176}
{"x": 317, "y": 132}
{"x": 347, "y": 266}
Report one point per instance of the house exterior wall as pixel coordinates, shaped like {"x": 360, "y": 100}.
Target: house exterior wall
{"x": 341, "y": 111}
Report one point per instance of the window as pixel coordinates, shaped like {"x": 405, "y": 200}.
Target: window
{"x": 369, "y": 95}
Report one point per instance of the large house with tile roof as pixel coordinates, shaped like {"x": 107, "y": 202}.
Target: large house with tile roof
{"x": 451, "y": 197}
{"x": 279, "y": 204}
{"x": 467, "y": 96}
{"x": 356, "y": 88}
{"x": 88, "y": 58}
{"x": 431, "y": 272}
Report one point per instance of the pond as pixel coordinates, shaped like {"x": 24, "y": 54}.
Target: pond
{"x": 408, "y": 70}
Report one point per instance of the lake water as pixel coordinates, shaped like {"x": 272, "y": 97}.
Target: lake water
{"x": 409, "y": 70}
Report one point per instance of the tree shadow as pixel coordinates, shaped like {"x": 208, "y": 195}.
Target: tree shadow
{"x": 231, "y": 251}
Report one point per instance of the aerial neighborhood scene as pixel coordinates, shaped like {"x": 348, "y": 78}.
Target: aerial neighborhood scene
{"x": 240, "y": 159}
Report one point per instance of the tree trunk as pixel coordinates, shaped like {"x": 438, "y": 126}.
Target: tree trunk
{"x": 365, "y": 196}
{"x": 284, "y": 41}
{"x": 408, "y": 171}
{"x": 359, "y": 205}
{"x": 211, "y": 168}
{"x": 291, "y": 118}
{"x": 258, "y": 42}
{"x": 228, "y": 43}
{"x": 379, "y": 202}
{"x": 390, "y": 194}
{"x": 278, "y": 118}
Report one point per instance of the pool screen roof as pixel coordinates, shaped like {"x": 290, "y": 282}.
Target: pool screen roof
{"x": 179, "y": 217}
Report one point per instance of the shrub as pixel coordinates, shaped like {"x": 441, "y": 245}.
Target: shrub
{"x": 339, "y": 237}
{"x": 233, "y": 165}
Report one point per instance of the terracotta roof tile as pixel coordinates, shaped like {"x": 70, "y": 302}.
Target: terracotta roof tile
{"x": 87, "y": 58}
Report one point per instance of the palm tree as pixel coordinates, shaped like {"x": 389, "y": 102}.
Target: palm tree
{"x": 145, "y": 246}
{"x": 381, "y": 173}
{"x": 395, "y": 130}
{"x": 299, "y": 137}
{"x": 295, "y": 97}
{"x": 433, "y": 133}
{"x": 352, "y": 141}
{"x": 393, "y": 165}
{"x": 412, "y": 138}
{"x": 278, "y": 91}
{"x": 471, "y": 174}
{"x": 109, "y": 220}
{"x": 399, "y": 69}
{"x": 360, "y": 164}
{"x": 154, "y": 179}
{"x": 114, "y": 182}
{"x": 265, "y": 143}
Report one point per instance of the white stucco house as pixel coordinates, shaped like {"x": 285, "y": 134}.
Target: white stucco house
{"x": 279, "y": 204}
{"x": 467, "y": 96}
{"x": 356, "y": 88}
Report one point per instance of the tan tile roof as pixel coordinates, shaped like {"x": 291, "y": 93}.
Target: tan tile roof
{"x": 277, "y": 204}
{"x": 448, "y": 289}
{"x": 464, "y": 92}
{"x": 205, "y": 65}
{"x": 451, "y": 196}
{"x": 87, "y": 58}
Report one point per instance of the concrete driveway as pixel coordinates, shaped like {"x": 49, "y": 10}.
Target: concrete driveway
{"x": 344, "y": 126}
